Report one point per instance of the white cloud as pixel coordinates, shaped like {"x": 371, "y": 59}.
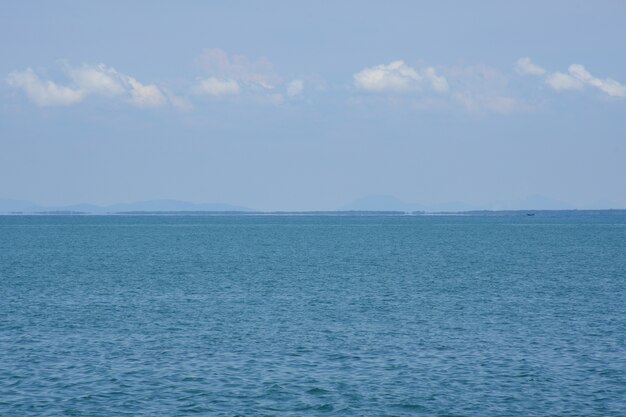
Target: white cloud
{"x": 255, "y": 79}
{"x": 395, "y": 76}
{"x": 145, "y": 95}
{"x": 398, "y": 77}
{"x": 84, "y": 81}
{"x": 607, "y": 85}
{"x": 576, "y": 78}
{"x": 217, "y": 87}
{"x": 222, "y": 65}
{"x": 527, "y": 67}
{"x": 97, "y": 79}
{"x": 560, "y": 81}
{"x": 474, "y": 88}
{"x": 44, "y": 93}
{"x": 438, "y": 82}
{"x": 580, "y": 72}
{"x": 295, "y": 87}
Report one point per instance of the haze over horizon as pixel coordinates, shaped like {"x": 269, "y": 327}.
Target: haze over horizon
{"x": 286, "y": 106}
{"x": 369, "y": 203}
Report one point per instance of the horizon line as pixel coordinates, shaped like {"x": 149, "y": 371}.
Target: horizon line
{"x": 307, "y": 212}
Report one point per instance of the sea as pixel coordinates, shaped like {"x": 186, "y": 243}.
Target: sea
{"x": 311, "y": 315}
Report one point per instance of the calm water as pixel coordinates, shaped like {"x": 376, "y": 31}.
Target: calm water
{"x": 309, "y": 316}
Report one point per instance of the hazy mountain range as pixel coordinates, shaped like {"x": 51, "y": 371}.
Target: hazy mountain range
{"x": 9, "y": 206}
{"x": 368, "y": 203}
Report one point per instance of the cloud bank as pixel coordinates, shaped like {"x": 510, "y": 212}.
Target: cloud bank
{"x": 231, "y": 74}
{"x": 218, "y": 87}
{"x": 473, "y": 88}
{"x": 84, "y": 81}
{"x": 239, "y": 68}
{"x": 44, "y": 93}
{"x": 398, "y": 77}
{"x": 559, "y": 81}
{"x": 476, "y": 88}
{"x": 526, "y": 67}
{"x": 607, "y": 85}
{"x": 577, "y": 77}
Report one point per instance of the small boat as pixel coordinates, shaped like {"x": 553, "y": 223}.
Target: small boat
{"x": 530, "y": 214}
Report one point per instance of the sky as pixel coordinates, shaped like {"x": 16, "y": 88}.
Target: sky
{"x": 282, "y": 105}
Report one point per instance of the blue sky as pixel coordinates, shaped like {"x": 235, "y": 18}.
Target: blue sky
{"x": 297, "y": 105}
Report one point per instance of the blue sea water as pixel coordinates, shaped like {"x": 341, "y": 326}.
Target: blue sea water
{"x": 309, "y": 316}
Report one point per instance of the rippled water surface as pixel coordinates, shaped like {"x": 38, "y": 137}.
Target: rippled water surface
{"x": 309, "y": 316}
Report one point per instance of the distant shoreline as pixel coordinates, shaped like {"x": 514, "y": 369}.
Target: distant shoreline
{"x": 348, "y": 213}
